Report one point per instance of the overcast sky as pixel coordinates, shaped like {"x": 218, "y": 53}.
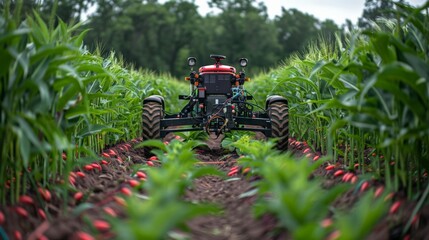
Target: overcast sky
{"x": 337, "y": 10}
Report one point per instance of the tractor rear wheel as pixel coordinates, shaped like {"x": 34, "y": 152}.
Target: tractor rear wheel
{"x": 151, "y": 121}
{"x": 279, "y": 115}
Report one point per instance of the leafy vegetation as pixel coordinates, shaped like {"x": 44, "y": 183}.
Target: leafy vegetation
{"x": 164, "y": 210}
{"x": 362, "y": 100}
{"x": 304, "y": 214}
{"x": 369, "y": 92}
{"x": 57, "y": 98}
{"x": 160, "y": 35}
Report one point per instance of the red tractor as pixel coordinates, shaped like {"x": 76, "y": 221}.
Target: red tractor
{"x": 218, "y": 103}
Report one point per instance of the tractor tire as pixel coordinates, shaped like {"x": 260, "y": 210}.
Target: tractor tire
{"x": 279, "y": 115}
{"x": 151, "y": 122}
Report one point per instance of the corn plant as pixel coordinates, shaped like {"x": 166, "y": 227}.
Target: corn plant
{"x": 61, "y": 102}
{"x": 38, "y": 80}
{"x": 367, "y": 91}
{"x": 391, "y": 96}
{"x": 165, "y": 210}
{"x": 306, "y": 88}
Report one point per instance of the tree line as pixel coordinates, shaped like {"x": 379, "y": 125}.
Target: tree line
{"x": 160, "y": 35}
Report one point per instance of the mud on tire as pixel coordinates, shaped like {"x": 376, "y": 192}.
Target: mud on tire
{"x": 279, "y": 114}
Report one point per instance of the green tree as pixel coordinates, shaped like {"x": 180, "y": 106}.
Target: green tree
{"x": 148, "y": 34}
{"x": 375, "y": 9}
{"x": 244, "y": 30}
{"x": 295, "y": 29}
{"x": 181, "y": 32}
{"x": 329, "y": 28}
{"x": 66, "y": 10}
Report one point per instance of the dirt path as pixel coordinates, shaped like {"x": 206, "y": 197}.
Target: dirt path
{"x": 237, "y": 220}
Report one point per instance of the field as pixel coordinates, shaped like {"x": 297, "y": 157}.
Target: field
{"x": 73, "y": 164}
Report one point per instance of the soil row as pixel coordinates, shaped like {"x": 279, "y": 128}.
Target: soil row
{"x": 103, "y": 189}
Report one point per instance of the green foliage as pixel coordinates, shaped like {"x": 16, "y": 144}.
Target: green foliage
{"x": 375, "y": 9}
{"x": 195, "y": 135}
{"x": 165, "y": 210}
{"x": 58, "y": 98}
{"x": 236, "y": 137}
{"x": 148, "y": 34}
{"x": 295, "y": 37}
{"x": 358, "y": 222}
{"x": 66, "y": 10}
{"x": 160, "y": 35}
{"x": 369, "y": 90}
{"x": 306, "y": 89}
{"x": 299, "y": 201}
{"x": 286, "y": 190}
{"x": 256, "y": 152}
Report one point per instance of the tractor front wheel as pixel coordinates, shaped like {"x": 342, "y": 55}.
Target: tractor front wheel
{"x": 279, "y": 115}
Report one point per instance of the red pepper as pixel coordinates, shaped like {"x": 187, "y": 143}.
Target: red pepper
{"x": 41, "y": 213}
{"x": 338, "y": 173}
{"x": 110, "y": 211}
{"x": 83, "y": 236}
{"x": 378, "y": 191}
{"x": 78, "y": 196}
{"x": 101, "y": 225}
{"x": 21, "y": 211}
{"x": 354, "y": 179}
{"x": 150, "y": 163}
{"x": 2, "y": 218}
{"x": 46, "y": 195}
{"x": 88, "y": 167}
{"x": 395, "y": 206}
{"x": 26, "y": 199}
{"x": 17, "y": 234}
{"x": 364, "y": 187}
{"x": 141, "y": 174}
{"x": 120, "y": 201}
{"x": 112, "y": 153}
{"x": 329, "y": 167}
{"x": 133, "y": 183}
{"x": 126, "y": 191}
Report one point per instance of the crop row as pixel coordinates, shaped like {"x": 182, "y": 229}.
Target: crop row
{"x": 363, "y": 97}
{"x": 362, "y": 100}
{"x": 60, "y": 104}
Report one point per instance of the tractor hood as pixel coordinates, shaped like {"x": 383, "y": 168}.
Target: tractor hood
{"x": 217, "y": 68}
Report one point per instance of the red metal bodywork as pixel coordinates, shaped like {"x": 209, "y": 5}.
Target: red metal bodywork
{"x": 217, "y": 69}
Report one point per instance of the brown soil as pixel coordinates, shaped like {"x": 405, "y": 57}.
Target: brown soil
{"x": 102, "y": 190}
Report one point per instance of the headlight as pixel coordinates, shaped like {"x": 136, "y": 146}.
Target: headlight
{"x": 192, "y": 61}
{"x": 243, "y": 62}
